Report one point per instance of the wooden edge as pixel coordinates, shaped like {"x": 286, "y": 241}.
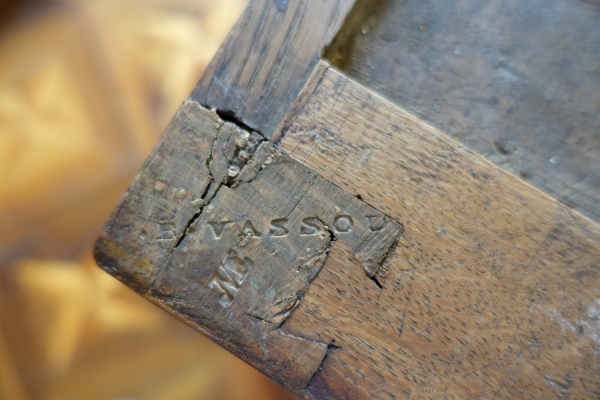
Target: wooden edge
{"x": 307, "y": 90}
{"x": 267, "y": 57}
{"x": 493, "y": 290}
{"x": 225, "y": 232}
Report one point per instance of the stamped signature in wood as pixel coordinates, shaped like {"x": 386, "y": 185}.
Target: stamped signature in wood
{"x": 230, "y": 275}
{"x": 228, "y": 278}
{"x": 309, "y": 226}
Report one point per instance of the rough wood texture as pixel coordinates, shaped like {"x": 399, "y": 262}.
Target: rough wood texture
{"x": 267, "y": 57}
{"x": 493, "y": 291}
{"x": 226, "y": 232}
{"x": 517, "y": 81}
{"x": 377, "y": 257}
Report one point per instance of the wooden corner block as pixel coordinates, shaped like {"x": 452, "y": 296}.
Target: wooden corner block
{"x": 348, "y": 249}
{"x": 226, "y": 232}
{"x": 361, "y": 252}
{"x": 365, "y": 254}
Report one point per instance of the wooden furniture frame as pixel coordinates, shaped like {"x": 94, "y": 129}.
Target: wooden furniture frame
{"x": 344, "y": 243}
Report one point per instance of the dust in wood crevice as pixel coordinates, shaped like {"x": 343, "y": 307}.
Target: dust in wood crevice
{"x": 244, "y": 151}
{"x": 230, "y": 116}
{"x": 259, "y": 318}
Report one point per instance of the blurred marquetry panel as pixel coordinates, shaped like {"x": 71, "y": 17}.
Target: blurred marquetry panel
{"x": 70, "y": 331}
{"x": 86, "y": 88}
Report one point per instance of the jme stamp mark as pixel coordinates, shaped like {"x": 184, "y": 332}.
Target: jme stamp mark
{"x": 228, "y": 278}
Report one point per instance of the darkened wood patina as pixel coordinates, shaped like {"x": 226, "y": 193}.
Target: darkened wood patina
{"x": 342, "y": 245}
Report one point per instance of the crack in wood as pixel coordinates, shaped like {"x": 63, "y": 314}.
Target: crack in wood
{"x": 245, "y": 145}
{"x": 236, "y": 253}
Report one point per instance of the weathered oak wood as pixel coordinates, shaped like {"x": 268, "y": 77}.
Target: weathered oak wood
{"x": 517, "y": 81}
{"x": 348, "y": 249}
{"x": 265, "y": 60}
{"x": 493, "y": 291}
{"x": 380, "y": 259}
{"x": 226, "y": 232}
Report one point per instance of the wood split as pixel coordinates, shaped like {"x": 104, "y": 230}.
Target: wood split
{"x": 259, "y": 228}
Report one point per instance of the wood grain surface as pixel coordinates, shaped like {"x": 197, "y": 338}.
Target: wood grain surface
{"x": 348, "y": 249}
{"x": 493, "y": 290}
{"x": 266, "y": 59}
{"x": 379, "y": 258}
{"x": 226, "y": 233}
{"x": 517, "y": 81}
